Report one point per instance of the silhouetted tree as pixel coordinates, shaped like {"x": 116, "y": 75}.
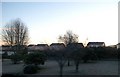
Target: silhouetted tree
{"x": 61, "y": 57}
{"x": 68, "y": 38}
{"x": 77, "y": 55}
{"x": 15, "y": 33}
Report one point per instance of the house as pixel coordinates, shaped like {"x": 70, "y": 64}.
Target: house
{"x": 118, "y": 45}
{"x": 96, "y": 44}
{"x": 31, "y": 47}
{"x": 57, "y": 46}
{"x": 38, "y": 47}
{"x": 8, "y": 49}
{"x": 75, "y": 45}
{"x": 112, "y": 46}
{"x": 19, "y": 48}
{"x": 42, "y": 47}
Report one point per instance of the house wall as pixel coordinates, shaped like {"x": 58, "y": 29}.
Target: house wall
{"x": 57, "y": 47}
{"x": 96, "y": 45}
{"x": 40, "y": 48}
{"x": 118, "y": 46}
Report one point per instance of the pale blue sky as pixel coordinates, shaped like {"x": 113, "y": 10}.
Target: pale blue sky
{"x": 97, "y": 21}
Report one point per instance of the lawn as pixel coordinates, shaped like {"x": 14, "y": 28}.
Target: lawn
{"x": 51, "y": 68}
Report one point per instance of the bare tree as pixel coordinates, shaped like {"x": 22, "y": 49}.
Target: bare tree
{"x": 60, "y": 57}
{"x": 77, "y": 55}
{"x": 68, "y": 38}
{"x": 15, "y": 33}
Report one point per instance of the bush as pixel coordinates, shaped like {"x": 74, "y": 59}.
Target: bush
{"x": 89, "y": 55}
{"x": 100, "y": 52}
{"x": 111, "y": 52}
{"x": 5, "y": 55}
{"x": 30, "y": 69}
{"x": 35, "y": 58}
{"x": 15, "y": 58}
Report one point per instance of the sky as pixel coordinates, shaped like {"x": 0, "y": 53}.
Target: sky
{"x": 96, "y": 21}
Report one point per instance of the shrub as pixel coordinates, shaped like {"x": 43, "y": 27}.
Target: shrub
{"x": 89, "y": 54}
{"x": 30, "y": 69}
{"x": 5, "y": 55}
{"x": 100, "y": 52}
{"x": 15, "y": 58}
{"x": 111, "y": 52}
{"x": 35, "y": 58}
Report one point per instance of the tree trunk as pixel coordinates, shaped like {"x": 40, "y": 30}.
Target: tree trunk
{"x": 68, "y": 62}
{"x": 61, "y": 71}
{"x": 77, "y": 66}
